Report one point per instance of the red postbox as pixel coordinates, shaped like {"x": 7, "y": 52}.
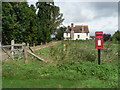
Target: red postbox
{"x": 99, "y": 40}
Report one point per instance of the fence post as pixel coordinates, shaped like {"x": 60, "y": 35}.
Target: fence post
{"x": 25, "y": 54}
{"x": 33, "y": 44}
{"x": 64, "y": 47}
{"x": 41, "y": 43}
{"x": 23, "y": 46}
{"x": 27, "y": 44}
{"x": 12, "y": 48}
{"x": 0, "y": 52}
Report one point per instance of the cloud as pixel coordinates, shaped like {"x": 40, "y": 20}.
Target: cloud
{"x": 98, "y": 15}
{"x": 105, "y": 9}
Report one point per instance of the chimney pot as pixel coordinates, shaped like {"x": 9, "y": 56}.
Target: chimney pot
{"x": 72, "y": 24}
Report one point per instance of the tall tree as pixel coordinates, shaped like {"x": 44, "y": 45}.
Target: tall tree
{"x": 0, "y": 22}
{"x": 9, "y": 22}
{"x": 49, "y": 19}
{"x": 19, "y": 22}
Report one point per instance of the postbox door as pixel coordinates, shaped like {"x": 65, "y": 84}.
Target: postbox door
{"x": 99, "y": 43}
{"x": 99, "y": 40}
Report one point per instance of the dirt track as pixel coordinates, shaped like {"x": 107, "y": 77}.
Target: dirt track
{"x": 45, "y": 45}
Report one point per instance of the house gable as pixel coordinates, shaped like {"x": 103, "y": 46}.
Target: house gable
{"x": 77, "y": 32}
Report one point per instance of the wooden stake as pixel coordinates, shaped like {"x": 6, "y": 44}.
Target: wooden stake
{"x": 12, "y": 47}
{"x": 25, "y": 54}
{"x": 64, "y": 47}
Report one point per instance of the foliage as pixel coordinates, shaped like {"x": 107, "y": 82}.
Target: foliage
{"x": 49, "y": 19}
{"x": 106, "y": 37}
{"x": 0, "y": 22}
{"x": 78, "y": 51}
{"x": 21, "y": 22}
{"x": 60, "y": 31}
{"x": 116, "y": 36}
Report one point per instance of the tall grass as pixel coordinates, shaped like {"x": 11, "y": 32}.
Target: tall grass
{"x": 80, "y": 51}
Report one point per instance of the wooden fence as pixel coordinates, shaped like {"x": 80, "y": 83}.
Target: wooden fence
{"x": 25, "y": 49}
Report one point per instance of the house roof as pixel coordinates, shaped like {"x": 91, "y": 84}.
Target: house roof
{"x": 78, "y": 29}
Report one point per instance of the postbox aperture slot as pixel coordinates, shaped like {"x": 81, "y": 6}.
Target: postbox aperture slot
{"x": 99, "y": 34}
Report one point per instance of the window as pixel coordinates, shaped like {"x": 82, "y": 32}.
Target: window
{"x": 78, "y": 36}
{"x": 80, "y": 29}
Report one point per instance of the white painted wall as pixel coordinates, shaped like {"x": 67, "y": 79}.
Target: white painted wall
{"x": 82, "y": 36}
{"x": 66, "y": 35}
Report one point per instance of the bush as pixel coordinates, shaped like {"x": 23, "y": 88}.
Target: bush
{"x": 72, "y": 53}
{"x": 116, "y": 36}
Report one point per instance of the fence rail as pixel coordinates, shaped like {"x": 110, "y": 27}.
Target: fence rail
{"x": 12, "y": 45}
{"x": 24, "y": 49}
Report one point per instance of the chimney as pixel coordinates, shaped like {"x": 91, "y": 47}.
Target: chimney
{"x": 68, "y": 27}
{"x": 82, "y": 28}
{"x": 72, "y": 24}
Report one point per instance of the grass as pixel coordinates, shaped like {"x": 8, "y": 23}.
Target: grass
{"x": 64, "y": 69}
{"x": 79, "y": 51}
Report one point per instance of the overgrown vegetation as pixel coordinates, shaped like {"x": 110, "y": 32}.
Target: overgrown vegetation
{"x": 74, "y": 68}
{"x": 116, "y": 36}
{"x": 79, "y": 51}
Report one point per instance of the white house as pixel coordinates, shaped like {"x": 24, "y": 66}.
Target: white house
{"x": 77, "y": 32}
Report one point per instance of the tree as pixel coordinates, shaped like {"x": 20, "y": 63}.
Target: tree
{"x": 106, "y": 37}
{"x": 60, "y": 32}
{"x": 19, "y": 22}
{"x": 9, "y": 22}
{"x": 0, "y": 22}
{"x": 49, "y": 19}
{"x": 116, "y": 36}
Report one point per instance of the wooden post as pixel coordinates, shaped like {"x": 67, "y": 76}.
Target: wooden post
{"x": 0, "y": 52}
{"x": 0, "y": 46}
{"x": 25, "y": 54}
{"x": 27, "y": 44}
{"x": 23, "y": 44}
{"x": 33, "y": 44}
{"x": 41, "y": 43}
{"x": 12, "y": 48}
{"x": 64, "y": 47}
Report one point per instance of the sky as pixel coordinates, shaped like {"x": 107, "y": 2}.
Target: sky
{"x": 99, "y": 16}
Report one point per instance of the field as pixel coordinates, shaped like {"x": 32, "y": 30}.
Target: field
{"x": 76, "y": 67}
